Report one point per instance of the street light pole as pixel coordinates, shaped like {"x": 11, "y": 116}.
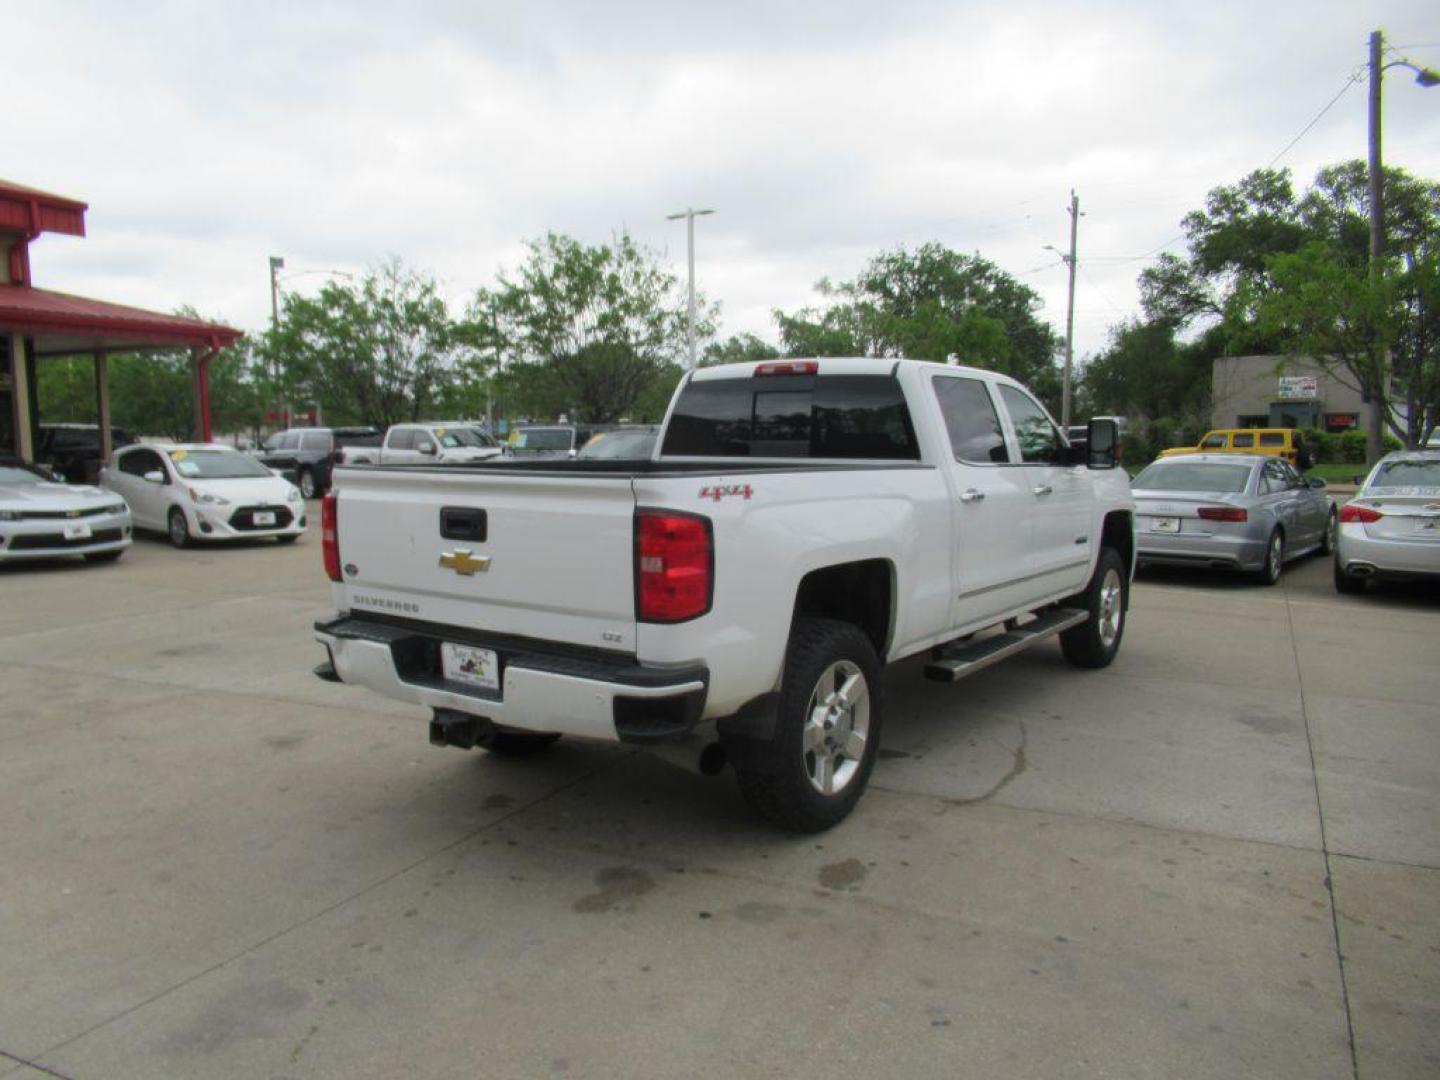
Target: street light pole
{"x": 1426, "y": 77}
{"x": 690, "y": 214}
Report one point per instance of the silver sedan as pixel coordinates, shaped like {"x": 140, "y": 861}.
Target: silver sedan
{"x": 1391, "y": 529}
{"x": 1237, "y": 511}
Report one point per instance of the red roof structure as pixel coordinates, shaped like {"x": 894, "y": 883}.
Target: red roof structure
{"x": 38, "y": 323}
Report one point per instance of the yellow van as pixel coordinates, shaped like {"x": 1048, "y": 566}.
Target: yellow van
{"x": 1273, "y": 442}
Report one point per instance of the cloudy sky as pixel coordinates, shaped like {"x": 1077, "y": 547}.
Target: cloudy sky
{"x": 209, "y": 136}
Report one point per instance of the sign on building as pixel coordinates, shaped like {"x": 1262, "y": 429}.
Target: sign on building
{"x": 1299, "y": 387}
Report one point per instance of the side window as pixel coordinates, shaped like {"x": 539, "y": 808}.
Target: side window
{"x": 1273, "y": 479}
{"x": 971, "y": 420}
{"x": 133, "y": 463}
{"x": 1039, "y": 438}
{"x": 1272, "y": 438}
{"x": 1292, "y": 478}
{"x": 1214, "y": 442}
{"x": 400, "y": 439}
{"x": 1244, "y": 438}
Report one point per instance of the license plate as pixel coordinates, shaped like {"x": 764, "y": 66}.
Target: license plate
{"x": 470, "y": 666}
{"x": 1165, "y": 524}
{"x": 264, "y": 517}
{"x": 77, "y": 531}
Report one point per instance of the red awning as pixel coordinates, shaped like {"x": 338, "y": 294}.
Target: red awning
{"x": 63, "y": 325}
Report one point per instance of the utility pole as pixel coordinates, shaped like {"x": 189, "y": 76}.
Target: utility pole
{"x": 1068, "y": 260}
{"x": 1375, "y": 420}
{"x": 1426, "y": 77}
{"x": 690, "y": 214}
{"x": 1070, "y": 315}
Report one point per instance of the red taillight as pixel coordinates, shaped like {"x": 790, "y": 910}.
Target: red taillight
{"x": 674, "y": 566}
{"x": 330, "y": 535}
{"x": 1359, "y": 515}
{"x": 789, "y": 367}
{"x": 1223, "y": 513}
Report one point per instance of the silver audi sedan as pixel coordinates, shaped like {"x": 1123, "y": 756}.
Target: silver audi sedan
{"x": 1391, "y": 528}
{"x": 1235, "y": 511}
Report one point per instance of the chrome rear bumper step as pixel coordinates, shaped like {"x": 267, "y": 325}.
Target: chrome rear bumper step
{"x": 954, "y": 662}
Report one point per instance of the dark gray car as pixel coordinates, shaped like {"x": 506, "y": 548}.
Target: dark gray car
{"x": 1235, "y": 511}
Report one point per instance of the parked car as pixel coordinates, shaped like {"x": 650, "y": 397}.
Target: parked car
{"x": 621, "y": 444}
{"x": 1274, "y": 442}
{"x": 735, "y": 599}
{"x": 1391, "y": 528}
{"x": 204, "y": 491}
{"x": 1236, "y": 511}
{"x": 416, "y": 444}
{"x": 42, "y": 517}
{"x": 538, "y": 441}
{"x": 74, "y": 449}
{"x": 307, "y": 455}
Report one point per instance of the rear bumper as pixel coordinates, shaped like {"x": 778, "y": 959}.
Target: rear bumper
{"x": 543, "y": 687}
{"x": 1357, "y": 553}
{"x": 1233, "y": 552}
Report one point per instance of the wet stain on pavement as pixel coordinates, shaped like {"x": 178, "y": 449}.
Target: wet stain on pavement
{"x": 284, "y": 742}
{"x": 753, "y": 911}
{"x": 617, "y": 884}
{"x": 1269, "y": 723}
{"x": 497, "y": 802}
{"x": 843, "y": 875}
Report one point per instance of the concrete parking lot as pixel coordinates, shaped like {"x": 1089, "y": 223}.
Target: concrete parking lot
{"x": 1218, "y": 858}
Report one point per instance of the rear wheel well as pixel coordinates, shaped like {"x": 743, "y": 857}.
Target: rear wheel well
{"x": 858, "y": 593}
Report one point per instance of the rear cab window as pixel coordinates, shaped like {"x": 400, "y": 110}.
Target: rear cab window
{"x": 844, "y": 417}
{"x": 971, "y": 420}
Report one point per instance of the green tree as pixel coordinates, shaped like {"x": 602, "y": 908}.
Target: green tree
{"x": 375, "y": 351}
{"x": 1267, "y": 271}
{"x": 588, "y": 331}
{"x": 932, "y": 303}
{"x": 738, "y": 349}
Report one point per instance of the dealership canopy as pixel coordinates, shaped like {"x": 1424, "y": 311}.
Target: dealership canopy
{"x": 36, "y": 324}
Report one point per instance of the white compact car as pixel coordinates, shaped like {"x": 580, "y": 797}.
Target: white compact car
{"x": 204, "y": 492}
{"x": 1391, "y": 528}
{"x": 41, "y": 518}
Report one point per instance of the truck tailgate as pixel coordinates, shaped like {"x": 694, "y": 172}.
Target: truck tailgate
{"x": 560, "y": 551}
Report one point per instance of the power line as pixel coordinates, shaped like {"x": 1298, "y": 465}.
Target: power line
{"x": 1354, "y": 78}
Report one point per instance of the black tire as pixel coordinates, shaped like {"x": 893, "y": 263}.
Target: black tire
{"x": 104, "y": 556}
{"x": 178, "y": 530}
{"x": 1269, "y": 574}
{"x": 1094, "y": 643}
{"x": 1347, "y": 583}
{"x": 823, "y": 657}
{"x": 288, "y": 538}
{"x": 308, "y": 487}
{"x": 515, "y": 743}
{"x": 1327, "y": 540}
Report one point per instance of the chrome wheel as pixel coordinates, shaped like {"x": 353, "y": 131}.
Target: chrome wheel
{"x": 307, "y": 483}
{"x": 179, "y": 531}
{"x": 837, "y": 726}
{"x": 1112, "y": 608}
{"x": 1274, "y": 557}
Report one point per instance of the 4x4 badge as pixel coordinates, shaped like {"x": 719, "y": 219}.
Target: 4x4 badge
{"x": 720, "y": 491}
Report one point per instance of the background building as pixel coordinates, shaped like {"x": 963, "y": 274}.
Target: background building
{"x": 1281, "y": 391}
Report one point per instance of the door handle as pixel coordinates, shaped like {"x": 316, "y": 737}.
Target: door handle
{"x": 1043, "y": 489}
{"x": 972, "y": 495}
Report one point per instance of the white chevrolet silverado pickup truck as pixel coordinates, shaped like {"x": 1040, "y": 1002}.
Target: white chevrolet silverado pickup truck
{"x": 734, "y": 599}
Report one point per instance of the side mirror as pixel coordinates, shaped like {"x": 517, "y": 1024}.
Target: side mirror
{"x": 427, "y": 448}
{"x": 155, "y": 476}
{"x": 1102, "y": 444}
{"x": 1316, "y": 482}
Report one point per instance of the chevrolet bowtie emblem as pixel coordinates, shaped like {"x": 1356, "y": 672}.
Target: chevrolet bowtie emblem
{"x": 464, "y": 562}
